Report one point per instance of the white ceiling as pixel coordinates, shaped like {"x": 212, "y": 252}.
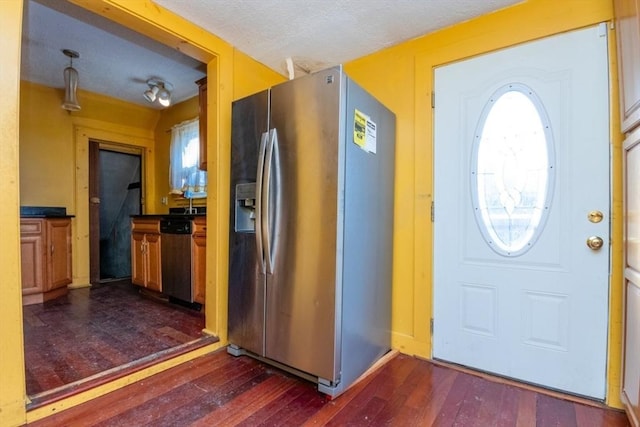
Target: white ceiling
{"x": 315, "y": 34}
{"x": 114, "y": 61}
{"x": 321, "y": 33}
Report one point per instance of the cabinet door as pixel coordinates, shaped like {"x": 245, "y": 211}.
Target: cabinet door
{"x": 154, "y": 277}
{"x": 59, "y": 253}
{"x": 202, "y": 98}
{"x": 628, "y": 35}
{"x": 631, "y": 383}
{"x": 32, "y": 254}
{"x": 199, "y": 267}
{"x": 631, "y": 373}
{"x": 138, "y": 259}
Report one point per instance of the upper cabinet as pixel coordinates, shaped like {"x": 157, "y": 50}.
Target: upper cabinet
{"x": 628, "y": 34}
{"x": 202, "y": 96}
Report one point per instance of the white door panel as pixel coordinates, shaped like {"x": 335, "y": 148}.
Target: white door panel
{"x": 539, "y": 316}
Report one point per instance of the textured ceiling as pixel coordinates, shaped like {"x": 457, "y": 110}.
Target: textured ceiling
{"x": 321, "y": 33}
{"x": 114, "y": 60}
{"x": 315, "y": 34}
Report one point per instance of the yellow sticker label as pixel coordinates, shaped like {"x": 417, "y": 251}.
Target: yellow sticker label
{"x": 359, "y": 128}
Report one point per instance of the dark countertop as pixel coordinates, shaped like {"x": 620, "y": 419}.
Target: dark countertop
{"x": 44, "y": 212}
{"x": 47, "y": 216}
{"x": 149, "y": 216}
{"x": 162, "y": 216}
{"x": 197, "y": 211}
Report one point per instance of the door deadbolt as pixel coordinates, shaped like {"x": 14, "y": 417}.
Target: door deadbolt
{"x": 595, "y": 216}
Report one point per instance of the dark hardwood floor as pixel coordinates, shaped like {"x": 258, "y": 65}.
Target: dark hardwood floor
{"x": 221, "y": 390}
{"x": 100, "y": 329}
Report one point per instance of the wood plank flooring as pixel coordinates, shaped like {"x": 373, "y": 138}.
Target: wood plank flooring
{"x": 97, "y": 329}
{"x": 221, "y": 390}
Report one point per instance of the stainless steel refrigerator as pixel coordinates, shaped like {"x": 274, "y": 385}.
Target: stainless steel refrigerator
{"x": 310, "y": 261}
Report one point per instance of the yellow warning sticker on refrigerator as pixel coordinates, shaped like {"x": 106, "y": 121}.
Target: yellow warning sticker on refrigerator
{"x": 364, "y": 132}
{"x": 359, "y": 128}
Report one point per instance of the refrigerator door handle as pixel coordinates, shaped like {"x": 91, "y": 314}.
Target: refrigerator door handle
{"x": 266, "y": 197}
{"x": 259, "y": 207}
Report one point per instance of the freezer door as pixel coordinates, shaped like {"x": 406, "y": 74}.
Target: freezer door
{"x": 246, "y": 277}
{"x": 302, "y": 206}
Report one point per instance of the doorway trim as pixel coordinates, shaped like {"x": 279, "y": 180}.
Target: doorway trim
{"x": 125, "y": 136}
{"x": 524, "y": 317}
{"x": 95, "y": 183}
{"x": 172, "y": 30}
{"x": 480, "y": 37}
{"x": 164, "y": 26}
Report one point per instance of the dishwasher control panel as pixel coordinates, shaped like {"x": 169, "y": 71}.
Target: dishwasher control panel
{"x": 175, "y": 226}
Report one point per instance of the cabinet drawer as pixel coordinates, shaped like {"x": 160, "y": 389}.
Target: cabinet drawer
{"x": 31, "y": 226}
{"x": 146, "y": 225}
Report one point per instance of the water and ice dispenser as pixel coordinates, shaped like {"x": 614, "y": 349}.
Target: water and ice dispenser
{"x": 245, "y": 221}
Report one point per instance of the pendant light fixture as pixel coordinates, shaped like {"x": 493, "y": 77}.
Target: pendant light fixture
{"x": 70, "y": 82}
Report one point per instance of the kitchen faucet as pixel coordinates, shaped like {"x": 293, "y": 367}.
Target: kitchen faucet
{"x": 190, "y": 209}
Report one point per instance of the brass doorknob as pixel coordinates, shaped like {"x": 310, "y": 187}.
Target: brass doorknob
{"x": 595, "y": 242}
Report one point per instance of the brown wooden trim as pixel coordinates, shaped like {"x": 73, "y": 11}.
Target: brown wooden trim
{"x": 94, "y": 212}
{"x": 629, "y": 410}
{"x": 56, "y": 394}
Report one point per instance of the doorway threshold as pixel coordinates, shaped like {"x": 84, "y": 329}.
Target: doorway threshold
{"x": 51, "y": 396}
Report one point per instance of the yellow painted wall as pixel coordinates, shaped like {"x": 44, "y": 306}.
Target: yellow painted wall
{"x": 12, "y": 379}
{"x": 47, "y": 140}
{"x": 249, "y": 76}
{"x": 402, "y": 78}
{"x": 46, "y": 149}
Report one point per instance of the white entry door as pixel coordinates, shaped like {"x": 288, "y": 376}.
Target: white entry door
{"x": 521, "y": 206}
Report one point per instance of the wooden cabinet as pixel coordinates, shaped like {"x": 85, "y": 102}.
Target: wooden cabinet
{"x": 631, "y": 378}
{"x": 202, "y": 96}
{"x": 146, "y": 247}
{"x": 628, "y": 36}
{"x": 199, "y": 258}
{"x": 631, "y": 340}
{"x": 627, "y": 25}
{"x": 45, "y": 245}
{"x": 145, "y": 254}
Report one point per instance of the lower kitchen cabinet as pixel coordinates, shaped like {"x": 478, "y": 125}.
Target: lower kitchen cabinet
{"x": 45, "y": 246}
{"x": 631, "y": 342}
{"x": 631, "y": 380}
{"x": 199, "y": 258}
{"x": 145, "y": 254}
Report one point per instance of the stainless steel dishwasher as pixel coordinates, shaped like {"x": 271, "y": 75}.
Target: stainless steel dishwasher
{"x": 175, "y": 249}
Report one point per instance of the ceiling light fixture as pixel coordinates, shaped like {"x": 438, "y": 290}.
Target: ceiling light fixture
{"x": 158, "y": 90}
{"x": 70, "y": 82}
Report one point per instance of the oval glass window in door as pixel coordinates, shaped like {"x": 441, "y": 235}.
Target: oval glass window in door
{"x": 512, "y": 169}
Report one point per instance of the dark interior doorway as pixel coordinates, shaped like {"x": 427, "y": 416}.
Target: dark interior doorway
{"x": 120, "y": 198}
{"x": 115, "y": 194}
